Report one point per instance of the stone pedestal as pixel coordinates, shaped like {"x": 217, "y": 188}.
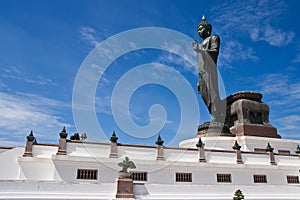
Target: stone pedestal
{"x": 272, "y": 158}
{"x": 212, "y": 128}
{"x": 248, "y": 115}
{"x": 202, "y": 155}
{"x": 124, "y": 186}
{"x": 28, "y": 149}
{"x": 258, "y": 130}
{"x": 160, "y": 149}
{"x": 62, "y": 147}
{"x": 160, "y": 153}
{"x": 113, "y": 146}
{"x": 29, "y": 144}
{"x": 238, "y": 156}
{"x": 113, "y": 150}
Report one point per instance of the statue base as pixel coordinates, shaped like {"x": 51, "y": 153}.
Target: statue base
{"x": 123, "y": 175}
{"x": 257, "y": 130}
{"x": 124, "y": 186}
{"x": 213, "y": 128}
{"x": 248, "y": 115}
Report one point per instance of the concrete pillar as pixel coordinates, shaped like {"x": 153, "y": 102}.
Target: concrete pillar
{"x": 113, "y": 146}
{"x": 271, "y": 154}
{"x": 200, "y": 146}
{"x": 272, "y": 158}
{"x": 239, "y": 159}
{"x": 30, "y": 141}
{"x": 62, "y": 147}
{"x": 160, "y": 149}
{"x": 238, "y": 153}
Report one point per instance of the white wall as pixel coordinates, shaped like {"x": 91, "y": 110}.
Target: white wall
{"x": 10, "y": 169}
{"x": 47, "y": 166}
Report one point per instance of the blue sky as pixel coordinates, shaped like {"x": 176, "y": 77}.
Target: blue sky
{"x": 45, "y": 43}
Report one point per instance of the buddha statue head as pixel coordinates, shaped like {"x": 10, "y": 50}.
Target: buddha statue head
{"x": 204, "y": 28}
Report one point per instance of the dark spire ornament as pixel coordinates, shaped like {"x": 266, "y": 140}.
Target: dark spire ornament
{"x": 159, "y": 141}
{"x": 114, "y": 137}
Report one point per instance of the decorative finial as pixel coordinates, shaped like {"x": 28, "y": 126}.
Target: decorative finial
{"x": 30, "y": 137}
{"x": 114, "y": 137}
{"x": 203, "y": 17}
{"x": 75, "y": 136}
{"x": 159, "y": 141}
{"x": 63, "y": 133}
{"x": 269, "y": 148}
{"x": 200, "y": 144}
{"x": 83, "y": 136}
{"x": 236, "y": 146}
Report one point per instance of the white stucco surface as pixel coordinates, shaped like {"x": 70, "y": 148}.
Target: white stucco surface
{"x": 46, "y": 175}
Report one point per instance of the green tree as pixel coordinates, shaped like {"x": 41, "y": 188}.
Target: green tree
{"x": 238, "y": 195}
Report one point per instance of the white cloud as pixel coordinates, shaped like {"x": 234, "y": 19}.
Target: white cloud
{"x": 239, "y": 21}
{"x": 275, "y": 36}
{"x": 103, "y": 105}
{"x": 289, "y": 126}
{"x": 255, "y": 18}
{"x": 90, "y": 35}
{"x": 23, "y": 112}
{"x": 233, "y": 50}
{"x": 274, "y": 84}
{"x": 282, "y": 93}
{"x": 16, "y": 73}
{"x": 289, "y": 122}
{"x": 10, "y": 143}
{"x": 170, "y": 59}
{"x": 186, "y": 59}
{"x": 3, "y": 86}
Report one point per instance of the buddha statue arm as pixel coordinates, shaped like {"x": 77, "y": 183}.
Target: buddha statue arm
{"x": 214, "y": 44}
{"x": 214, "y": 47}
